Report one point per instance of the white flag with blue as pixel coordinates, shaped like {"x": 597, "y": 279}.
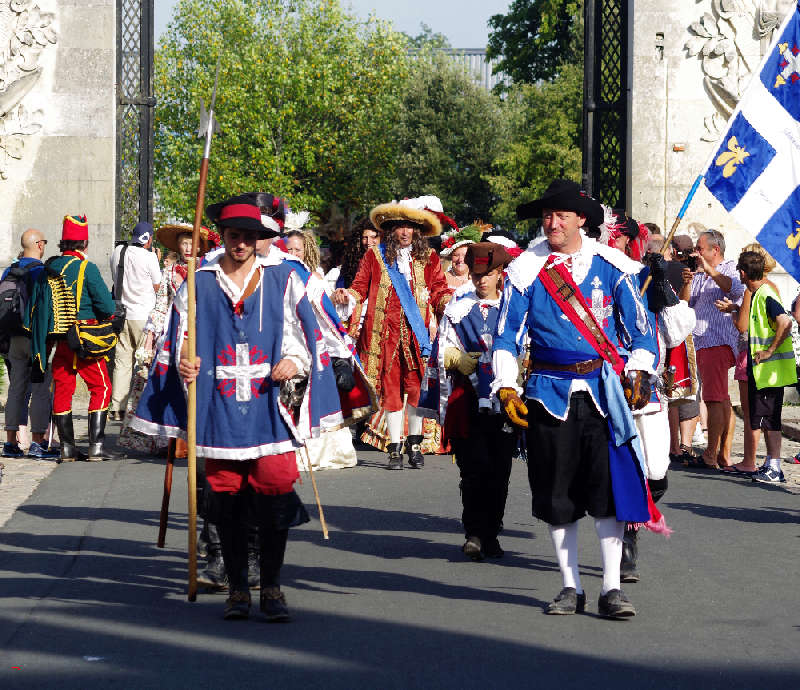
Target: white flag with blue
{"x": 755, "y": 173}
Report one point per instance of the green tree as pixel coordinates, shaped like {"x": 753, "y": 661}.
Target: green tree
{"x": 536, "y": 37}
{"x": 544, "y": 142}
{"x": 427, "y": 39}
{"x": 305, "y": 101}
{"x": 449, "y": 131}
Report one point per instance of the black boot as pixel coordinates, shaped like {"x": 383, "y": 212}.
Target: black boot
{"x": 66, "y": 434}
{"x": 253, "y": 567}
{"x": 214, "y": 576}
{"x": 630, "y": 554}
{"x": 395, "y": 451}
{"x": 272, "y": 601}
{"x": 415, "y": 457}
{"x": 233, "y": 539}
{"x": 97, "y": 434}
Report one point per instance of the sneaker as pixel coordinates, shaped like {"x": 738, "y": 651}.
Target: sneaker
{"x": 767, "y": 475}
{"x": 794, "y": 460}
{"x": 472, "y": 549}
{"x": 699, "y": 437}
{"x": 614, "y": 604}
{"x": 273, "y": 606}
{"x": 12, "y": 450}
{"x": 491, "y": 548}
{"x": 567, "y": 602}
{"x": 237, "y": 606}
{"x": 36, "y": 450}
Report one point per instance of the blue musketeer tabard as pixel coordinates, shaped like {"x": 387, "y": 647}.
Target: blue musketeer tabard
{"x": 240, "y": 415}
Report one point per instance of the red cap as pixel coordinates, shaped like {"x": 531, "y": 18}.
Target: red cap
{"x": 75, "y": 228}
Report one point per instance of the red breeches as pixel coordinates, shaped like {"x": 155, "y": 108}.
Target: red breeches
{"x": 271, "y": 475}
{"x": 66, "y": 367}
{"x": 398, "y": 380}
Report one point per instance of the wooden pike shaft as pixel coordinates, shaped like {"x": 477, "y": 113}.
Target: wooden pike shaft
{"x": 162, "y": 521}
{"x": 307, "y": 457}
{"x": 191, "y": 421}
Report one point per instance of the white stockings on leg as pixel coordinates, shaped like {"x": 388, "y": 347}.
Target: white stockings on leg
{"x": 565, "y": 541}
{"x": 414, "y": 421}
{"x": 394, "y": 424}
{"x": 610, "y": 532}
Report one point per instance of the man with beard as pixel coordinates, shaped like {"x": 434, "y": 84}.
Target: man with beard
{"x": 256, "y": 331}
{"x": 404, "y": 287}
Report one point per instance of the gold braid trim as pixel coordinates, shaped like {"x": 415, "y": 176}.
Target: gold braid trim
{"x": 376, "y": 337}
{"x": 420, "y": 288}
{"x": 64, "y": 305}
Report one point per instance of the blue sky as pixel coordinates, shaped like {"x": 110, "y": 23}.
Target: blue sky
{"x": 464, "y": 22}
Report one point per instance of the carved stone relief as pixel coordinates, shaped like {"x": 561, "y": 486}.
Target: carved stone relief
{"x": 721, "y": 39}
{"x": 25, "y": 32}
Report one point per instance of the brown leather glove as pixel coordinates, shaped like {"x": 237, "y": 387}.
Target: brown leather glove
{"x": 465, "y": 362}
{"x": 636, "y": 385}
{"x": 515, "y": 409}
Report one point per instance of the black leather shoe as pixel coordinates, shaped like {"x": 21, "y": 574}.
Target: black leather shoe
{"x": 472, "y": 548}
{"x": 237, "y": 606}
{"x": 567, "y": 602}
{"x": 395, "y": 451}
{"x": 614, "y": 604}
{"x": 491, "y": 549}
{"x": 273, "y": 606}
{"x": 415, "y": 457}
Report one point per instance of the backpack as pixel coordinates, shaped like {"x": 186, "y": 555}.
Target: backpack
{"x": 14, "y": 296}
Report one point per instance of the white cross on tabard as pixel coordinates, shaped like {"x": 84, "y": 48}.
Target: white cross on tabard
{"x": 243, "y": 372}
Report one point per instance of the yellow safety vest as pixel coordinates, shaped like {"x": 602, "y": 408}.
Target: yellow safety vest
{"x": 779, "y": 370}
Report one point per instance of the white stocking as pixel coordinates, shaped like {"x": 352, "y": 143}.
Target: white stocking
{"x": 565, "y": 541}
{"x": 610, "y": 532}
{"x": 394, "y": 424}
{"x": 414, "y": 421}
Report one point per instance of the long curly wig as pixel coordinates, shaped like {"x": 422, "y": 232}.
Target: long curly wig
{"x": 419, "y": 246}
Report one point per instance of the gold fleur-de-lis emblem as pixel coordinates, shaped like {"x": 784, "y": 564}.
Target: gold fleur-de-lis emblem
{"x": 734, "y": 156}
{"x": 793, "y": 240}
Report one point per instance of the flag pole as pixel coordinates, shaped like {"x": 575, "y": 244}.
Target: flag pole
{"x": 191, "y": 421}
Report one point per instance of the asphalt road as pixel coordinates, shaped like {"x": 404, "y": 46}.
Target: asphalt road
{"x": 87, "y": 600}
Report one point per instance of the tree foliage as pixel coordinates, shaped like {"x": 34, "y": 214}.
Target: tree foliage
{"x": 449, "y": 132}
{"x": 544, "y": 141}
{"x": 307, "y": 94}
{"x": 536, "y": 37}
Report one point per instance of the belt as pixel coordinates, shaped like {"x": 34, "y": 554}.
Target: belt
{"x": 585, "y": 367}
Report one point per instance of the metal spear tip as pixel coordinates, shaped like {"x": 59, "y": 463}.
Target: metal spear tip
{"x": 202, "y": 129}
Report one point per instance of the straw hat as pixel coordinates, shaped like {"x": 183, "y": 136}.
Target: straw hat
{"x": 168, "y": 235}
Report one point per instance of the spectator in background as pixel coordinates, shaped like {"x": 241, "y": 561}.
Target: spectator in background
{"x": 362, "y": 239}
{"x": 715, "y": 338}
{"x": 770, "y": 359}
{"x": 22, "y": 393}
{"x": 141, "y": 278}
{"x": 303, "y": 246}
{"x": 743, "y": 373}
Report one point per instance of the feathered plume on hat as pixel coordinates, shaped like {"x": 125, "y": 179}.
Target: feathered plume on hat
{"x": 460, "y": 238}
{"x": 296, "y": 221}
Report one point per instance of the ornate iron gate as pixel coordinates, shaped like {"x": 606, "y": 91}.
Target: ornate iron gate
{"x": 134, "y": 114}
{"x": 607, "y": 100}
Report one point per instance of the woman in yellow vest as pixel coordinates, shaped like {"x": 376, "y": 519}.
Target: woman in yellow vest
{"x": 770, "y": 359}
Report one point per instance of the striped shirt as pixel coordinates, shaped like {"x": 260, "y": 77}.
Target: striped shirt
{"x": 713, "y": 327}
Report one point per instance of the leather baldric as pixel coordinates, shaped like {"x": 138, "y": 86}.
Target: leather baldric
{"x": 558, "y": 282}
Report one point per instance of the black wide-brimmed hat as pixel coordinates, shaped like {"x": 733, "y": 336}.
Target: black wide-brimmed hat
{"x": 484, "y": 257}
{"x": 563, "y": 195}
{"x": 243, "y": 213}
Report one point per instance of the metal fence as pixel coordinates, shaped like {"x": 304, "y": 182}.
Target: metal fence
{"x": 135, "y": 102}
{"x": 607, "y": 101}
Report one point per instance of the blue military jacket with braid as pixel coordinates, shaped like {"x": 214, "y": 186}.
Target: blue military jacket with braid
{"x": 607, "y": 278}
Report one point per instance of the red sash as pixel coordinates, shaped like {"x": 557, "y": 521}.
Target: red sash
{"x": 558, "y": 282}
